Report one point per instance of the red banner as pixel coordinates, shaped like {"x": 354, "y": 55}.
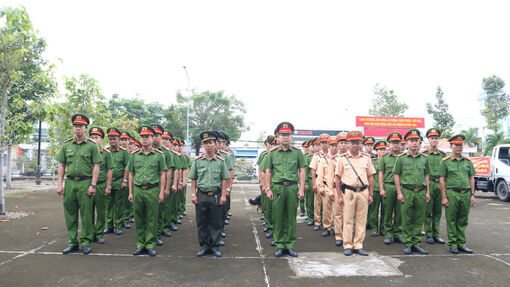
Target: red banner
{"x": 482, "y": 165}
{"x": 389, "y": 122}
{"x": 379, "y": 132}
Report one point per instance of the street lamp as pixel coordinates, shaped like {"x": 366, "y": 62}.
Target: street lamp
{"x": 187, "y": 115}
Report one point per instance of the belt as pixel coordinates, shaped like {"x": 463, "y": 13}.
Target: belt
{"x": 79, "y": 178}
{"x": 118, "y": 177}
{"x": 356, "y": 189}
{"x": 100, "y": 181}
{"x": 413, "y": 188}
{"x": 286, "y": 183}
{"x": 434, "y": 179}
{"x": 148, "y": 186}
{"x": 390, "y": 183}
{"x": 460, "y": 190}
{"x": 210, "y": 193}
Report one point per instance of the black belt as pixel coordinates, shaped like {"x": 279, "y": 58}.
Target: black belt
{"x": 79, "y": 178}
{"x": 435, "y": 179}
{"x": 286, "y": 183}
{"x": 149, "y": 186}
{"x": 100, "y": 181}
{"x": 460, "y": 190}
{"x": 210, "y": 193}
{"x": 411, "y": 188}
{"x": 356, "y": 189}
{"x": 390, "y": 183}
{"x": 118, "y": 177}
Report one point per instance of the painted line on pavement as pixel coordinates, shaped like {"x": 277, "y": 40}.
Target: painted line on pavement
{"x": 259, "y": 249}
{"x": 28, "y": 252}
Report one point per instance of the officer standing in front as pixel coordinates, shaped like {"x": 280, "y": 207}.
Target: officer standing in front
{"x": 209, "y": 180}
{"x": 80, "y": 160}
{"x": 285, "y": 168}
{"x": 456, "y": 178}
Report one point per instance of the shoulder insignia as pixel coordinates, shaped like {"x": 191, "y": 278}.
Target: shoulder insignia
{"x": 264, "y": 152}
{"x": 423, "y": 154}
{"x": 69, "y": 139}
{"x": 107, "y": 150}
{"x": 158, "y": 150}
{"x": 295, "y": 147}
{"x": 166, "y": 148}
{"x": 385, "y": 153}
{"x": 122, "y": 148}
{"x": 466, "y": 158}
{"x": 445, "y": 158}
{"x": 136, "y": 150}
{"x": 185, "y": 154}
{"x": 273, "y": 148}
{"x": 365, "y": 154}
{"x": 402, "y": 154}
{"x": 175, "y": 152}
{"x": 217, "y": 156}
{"x": 343, "y": 154}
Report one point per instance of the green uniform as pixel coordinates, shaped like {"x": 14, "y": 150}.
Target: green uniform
{"x": 284, "y": 165}
{"x": 373, "y": 209}
{"x": 458, "y": 191}
{"x": 268, "y": 216}
{"x": 230, "y": 166}
{"x": 233, "y": 161}
{"x": 209, "y": 174}
{"x": 412, "y": 171}
{"x": 434, "y": 208}
{"x": 79, "y": 160}
{"x": 309, "y": 194}
{"x": 392, "y": 220}
{"x": 99, "y": 203}
{"x": 175, "y": 196}
{"x": 146, "y": 189}
{"x": 182, "y": 202}
{"x": 263, "y": 196}
{"x": 116, "y": 201}
{"x": 164, "y": 207}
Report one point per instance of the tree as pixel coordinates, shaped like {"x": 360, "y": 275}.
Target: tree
{"x": 135, "y": 110}
{"x": 495, "y": 103}
{"x": 25, "y": 81}
{"x": 443, "y": 120}
{"x": 494, "y": 140}
{"x": 386, "y": 104}
{"x": 472, "y": 138}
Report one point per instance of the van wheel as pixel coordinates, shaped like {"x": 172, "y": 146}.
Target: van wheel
{"x": 502, "y": 191}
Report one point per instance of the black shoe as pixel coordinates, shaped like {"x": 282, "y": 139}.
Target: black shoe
{"x": 429, "y": 240}
{"x": 273, "y": 243}
{"x": 310, "y": 223}
{"x": 465, "y": 250}
{"x": 223, "y": 234}
{"x": 348, "y": 252}
{"x": 439, "y": 240}
{"x": 339, "y": 242}
{"x": 387, "y": 240}
{"x": 317, "y": 228}
{"x": 227, "y": 217}
{"x": 301, "y": 214}
{"x": 167, "y": 234}
{"x": 375, "y": 234}
{"x": 229, "y": 213}
{"x": 368, "y": 227}
{"x": 266, "y": 229}
{"x": 226, "y": 222}
{"x": 360, "y": 252}
{"x": 108, "y": 230}
{"x": 262, "y": 217}
{"x": 292, "y": 253}
{"x": 86, "y": 249}
{"x": 126, "y": 225}
{"x": 202, "y": 252}
{"x": 454, "y": 250}
{"x": 221, "y": 243}
{"x": 138, "y": 251}
{"x": 423, "y": 233}
{"x": 269, "y": 234}
{"x": 173, "y": 227}
{"x": 407, "y": 250}
{"x": 307, "y": 218}
{"x": 181, "y": 216}
{"x": 264, "y": 223}
{"x": 70, "y": 249}
{"x": 100, "y": 240}
{"x": 278, "y": 253}
{"x": 159, "y": 242}
{"x": 184, "y": 213}
{"x": 151, "y": 252}
{"x": 326, "y": 233}
{"x": 118, "y": 231}
{"x": 216, "y": 253}
{"x": 131, "y": 219}
{"x": 399, "y": 240}
{"x": 179, "y": 221}
{"x": 420, "y": 249}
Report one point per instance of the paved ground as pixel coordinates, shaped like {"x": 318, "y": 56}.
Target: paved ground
{"x": 30, "y": 256}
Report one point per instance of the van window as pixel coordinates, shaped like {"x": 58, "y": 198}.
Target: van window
{"x": 504, "y": 156}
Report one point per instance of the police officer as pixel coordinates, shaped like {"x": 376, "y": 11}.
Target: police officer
{"x": 434, "y": 209}
{"x": 128, "y": 142}
{"x": 104, "y": 181}
{"x": 338, "y": 207}
{"x": 268, "y": 218}
{"x": 412, "y": 182}
{"x": 373, "y": 210}
{"x": 115, "y": 200}
{"x": 355, "y": 175}
{"x": 325, "y": 178}
{"x": 174, "y": 196}
{"x": 456, "y": 178}
{"x": 392, "y": 220}
{"x": 209, "y": 180}
{"x": 185, "y": 172}
{"x": 309, "y": 194}
{"x": 147, "y": 173}
{"x": 322, "y": 142}
{"x": 302, "y": 208}
{"x": 80, "y": 160}
{"x": 285, "y": 168}
{"x": 264, "y": 199}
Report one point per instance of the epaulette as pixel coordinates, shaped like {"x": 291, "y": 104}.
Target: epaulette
{"x": 228, "y": 148}
{"x": 158, "y": 150}
{"x": 175, "y": 152}
{"x": 343, "y": 154}
{"x": 225, "y": 152}
{"x": 264, "y": 152}
{"x": 200, "y": 156}
{"x": 122, "y": 148}
{"x": 136, "y": 150}
{"x": 445, "y": 158}
{"x": 217, "y": 156}
{"x": 466, "y": 158}
{"x": 295, "y": 147}
{"x": 69, "y": 139}
{"x": 402, "y": 154}
{"x": 365, "y": 154}
{"x": 273, "y": 148}
{"x": 165, "y": 148}
{"x": 185, "y": 154}
{"x": 107, "y": 150}
{"x": 385, "y": 153}
{"x": 423, "y": 154}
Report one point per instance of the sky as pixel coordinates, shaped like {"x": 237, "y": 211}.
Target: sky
{"x": 313, "y": 63}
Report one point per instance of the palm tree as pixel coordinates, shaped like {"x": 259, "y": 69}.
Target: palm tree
{"x": 472, "y": 138}
{"x": 493, "y": 140}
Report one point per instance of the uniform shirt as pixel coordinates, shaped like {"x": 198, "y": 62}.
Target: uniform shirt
{"x": 284, "y": 164}
{"x": 179, "y": 164}
{"x": 386, "y": 164}
{"x": 322, "y": 167}
{"x": 232, "y": 155}
{"x": 361, "y": 163}
{"x": 456, "y": 172}
{"x": 330, "y": 175}
{"x": 147, "y": 166}
{"x": 169, "y": 158}
{"x": 261, "y": 157}
{"x": 187, "y": 160}
{"x": 308, "y": 170}
{"x": 434, "y": 162}
{"x": 315, "y": 160}
{"x": 120, "y": 159}
{"x": 106, "y": 164}
{"x": 411, "y": 169}
{"x": 375, "y": 162}
{"x": 79, "y": 158}
{"x": 228, "y": 159}
{"x": 209, "y": 173}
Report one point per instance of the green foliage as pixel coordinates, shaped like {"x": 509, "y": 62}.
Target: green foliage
{"x": 494, "y": 140}
{"x": 443, "y": 120}
{"x": 472, "y": 138}
{"x": 135, "y": 110}
{"x": 496, "y": 103}
{"x": 386, "y": 104}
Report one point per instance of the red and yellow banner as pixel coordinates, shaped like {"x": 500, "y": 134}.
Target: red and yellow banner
{"x": 482, "y": 165}
{"x": 389, "y": 122}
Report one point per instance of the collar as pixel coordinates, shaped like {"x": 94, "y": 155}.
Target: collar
{"x": 408, "y": 154}
{"x": 352, "y": 156}
{"x": 430, "y": 151}
{"x": 76, "y": 141}
{"x": 452, "y": 157}
{"x": 115, "y": 150}
{"x": 141, "y": 151}
{"x": 280, "y": 148}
